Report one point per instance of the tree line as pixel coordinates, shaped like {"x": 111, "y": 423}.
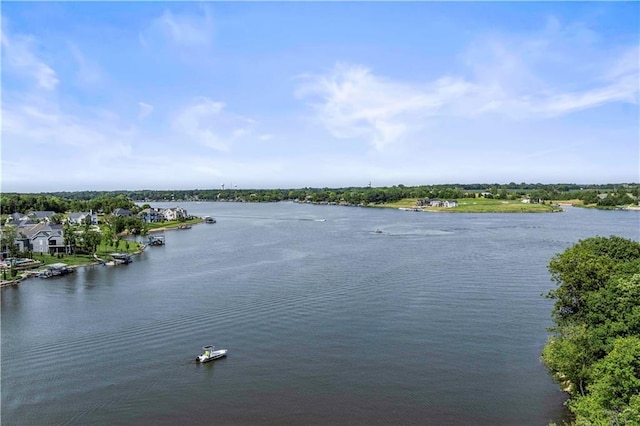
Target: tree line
{"x": 107, "y": 201}
{"x": 59, "y": 203}
{"x": 594, "y": 349}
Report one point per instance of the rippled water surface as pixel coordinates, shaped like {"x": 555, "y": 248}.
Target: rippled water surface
{"x": 438, "y": 319}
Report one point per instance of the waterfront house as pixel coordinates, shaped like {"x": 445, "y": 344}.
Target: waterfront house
{"x": 175, "y": 213}
{"x": 152, "y": 215}
{"x": 22, "y": 242}
{"x": 433, "y": 202}
{"x": 45, "y": 238}
{"x": 41, "y": 216}
{"x": 15, "y": 218}
{"x": 80, "y": 218}
{"x": 122, "y": 212}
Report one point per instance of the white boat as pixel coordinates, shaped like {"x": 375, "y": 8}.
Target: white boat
{"x": 210, "y": 354}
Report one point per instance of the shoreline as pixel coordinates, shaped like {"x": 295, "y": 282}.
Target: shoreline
{"x": 28, "y": 275}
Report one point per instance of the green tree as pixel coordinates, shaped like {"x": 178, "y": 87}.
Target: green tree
{"x": 569, "y": 355}
{"x": 503, "y": 195}
{"x": 594, "y": 351}
{"x": 91, "y": 240}
{"x": 69, "y": 238}
{"x": 108, "y": 235}
{"x": 56, "y": 219}
{"x": 585, "y": 267}
{"x": 8, "y": 236}
{"x": 615, "y": 386}
{"x": 589, "y": 197}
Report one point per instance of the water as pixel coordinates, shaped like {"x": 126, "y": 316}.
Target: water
{"x": 437, "y": 320}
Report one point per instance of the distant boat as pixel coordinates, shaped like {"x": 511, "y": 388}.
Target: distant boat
{"x": 185, "y": 226}
{"x": 210, "y": 354}
{"x": 209, "y": 219}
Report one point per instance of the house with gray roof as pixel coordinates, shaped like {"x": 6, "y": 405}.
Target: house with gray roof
{"x": 16, "y": 217}
{"x": 41, "y": 216}
{"x": 175, "y": 213}
{"x": 45, "y": 238}
{"x": 79, "y": 218}
{"x": 122, "y": 212}
{"x": 152, "y": 215}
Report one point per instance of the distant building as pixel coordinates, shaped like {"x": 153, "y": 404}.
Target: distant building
{"x": 175, "y": 213}
{"x": 40, "y": 238}
{"x": 532, "y": 200}
{"x": 79, "y": 218}
{"x": 122, "y": 212}
{"x": 41, "y": 216}
{"x": 152, "y": 215}
{"x": 433, "y": 202}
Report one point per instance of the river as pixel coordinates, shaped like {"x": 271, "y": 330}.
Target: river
{"x": 436, "y": 319}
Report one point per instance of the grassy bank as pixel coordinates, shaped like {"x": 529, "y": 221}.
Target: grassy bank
{"x": 172, "y": 224}
{"x": 481, "y": 205}
{"x": 103, "y": 252}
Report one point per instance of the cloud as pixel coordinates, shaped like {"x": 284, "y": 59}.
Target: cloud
{"x": 206, "y": 122}
{"x": 48, "y": 130}
{"x": 145, "y": 110}
{"x": 19, "y": 56}
{"x": 518, "y": 77}
{"x": 352, "y": 102}
{"x": 179, "y": 30}
{"x": 88, "y": 74}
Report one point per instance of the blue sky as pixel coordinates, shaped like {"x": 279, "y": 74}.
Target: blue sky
{"x": 182, "y": 95}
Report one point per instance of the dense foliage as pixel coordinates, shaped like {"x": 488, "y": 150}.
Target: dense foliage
{"x": 594, "y": 351}
{"x": 102, "y": 202}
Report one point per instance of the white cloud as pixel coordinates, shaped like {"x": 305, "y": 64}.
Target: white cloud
{"x": 520, "y": 78}
{"x": 205, "y": 122}
{"x": 145, "y": 110}
{"x": 88, "y": 74}
{"x": 20, "y": 57}
{"x": 352, "y": 102}
{"x": 181, "y": 30}
{"x": 44, "y": 127}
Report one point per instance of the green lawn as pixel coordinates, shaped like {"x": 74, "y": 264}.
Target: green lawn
{"x": 173, "y": 223}
{"x": 103, "y": 252}
{"x": 481, "y": 205}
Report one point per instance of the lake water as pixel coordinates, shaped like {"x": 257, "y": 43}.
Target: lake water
{"x": 436, "y": 320}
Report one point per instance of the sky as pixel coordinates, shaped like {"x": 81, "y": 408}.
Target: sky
{"x": 186, "y": 95}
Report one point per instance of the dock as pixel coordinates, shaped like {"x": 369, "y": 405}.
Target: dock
{"x": 156, "y": 240}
